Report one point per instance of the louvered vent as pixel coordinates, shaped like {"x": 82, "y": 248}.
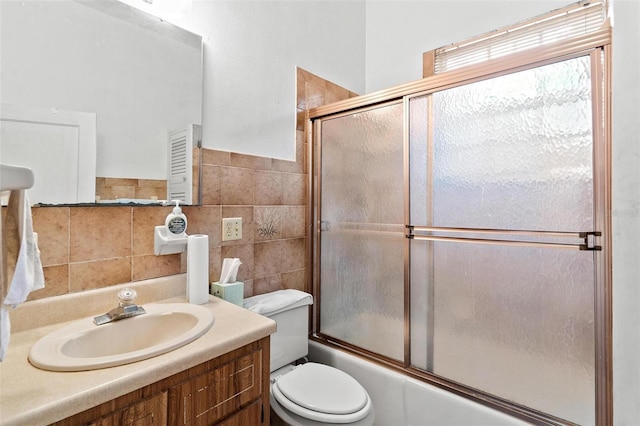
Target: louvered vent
{"x": 179, "y": 153}
{"x": 578, "y": 19}
{"x": 180, "y": 170}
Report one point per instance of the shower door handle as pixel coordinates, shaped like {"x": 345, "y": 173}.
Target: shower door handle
{"x": 588, "y": 242}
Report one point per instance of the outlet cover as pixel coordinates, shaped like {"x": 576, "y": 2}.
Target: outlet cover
{"x": 231, "y": 228}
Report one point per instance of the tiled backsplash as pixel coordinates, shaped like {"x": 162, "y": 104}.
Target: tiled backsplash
{"x": 114, "y": 188}
{"x": 90, "y": 247}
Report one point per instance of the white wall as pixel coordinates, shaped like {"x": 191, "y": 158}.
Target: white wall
{"x": 626, "y": 212}
{"x": 399, "y": 31}
{"x": 251, "y": 51}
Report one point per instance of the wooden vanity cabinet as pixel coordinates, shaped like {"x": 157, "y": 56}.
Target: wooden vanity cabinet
{"x": 230, "y": 390}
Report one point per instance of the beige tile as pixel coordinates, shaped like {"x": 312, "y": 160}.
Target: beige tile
{"x": 123, "y": 192}
{"x": 301, "y": 153}
{"x": 105, "y": 193}
{"x": 246, "y": 213}
{"x": 303, "y": 74}
{"x": 99, "y": 233}
{"x": 151, "y": 192}
{"x": 246, "y": 255}
{"x": 300, "y": 119}
{"x": 314, "y": 95}
{"x": 267, "y": 258}
{"x": 52, "y": 226}
{"x": 236, "y": 186}
{"x": 196, "y": 164}
{"x": 295, "y": 219}
{"x": 145, "y": 219}
{"x": 268, "y": 222}
{"x": 267, "y": 284}
{"x": 268, "y": 188}
{"x": 296, "y": 280}
{"x": 215, "y": 157}
{"x": 315, "y": 80}
{"x": 98, "y": 274}
{"x": 331, "y": 97}
{"x": 205, "y": 220}
{"x": 295, "y": 189}
{"x": 211, "y": 180}
{"x": 338, "y": 92}
{"x": 151, "y": 266}
{"x": 300, "y": 82}
{"x": 248, "y": 288}
{"x": 250, "y": 161}
{"x": 56, "y": 282}
{"x": 215, "y": 263}
{"x": 293, "y": 254}
{"x": 120, "y": 182}
{"x": 152, "y": 183}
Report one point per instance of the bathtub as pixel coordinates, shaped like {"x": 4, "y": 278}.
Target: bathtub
{"x": 401, "y": 400}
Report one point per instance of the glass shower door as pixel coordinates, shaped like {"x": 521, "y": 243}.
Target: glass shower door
{"x": 501, "y": 186}
{"x": 361, "y": 234}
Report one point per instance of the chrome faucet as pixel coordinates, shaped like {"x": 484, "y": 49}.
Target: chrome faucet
{"x": 126, "y": 308}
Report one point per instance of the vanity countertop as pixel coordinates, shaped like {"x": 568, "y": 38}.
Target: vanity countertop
{"x": 30, "y": 396}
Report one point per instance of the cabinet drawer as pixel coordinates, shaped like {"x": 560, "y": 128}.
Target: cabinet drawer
{"x": 152, "y": 412}
{"x": 210, "y": 396}
{"x": 146, "y": 412}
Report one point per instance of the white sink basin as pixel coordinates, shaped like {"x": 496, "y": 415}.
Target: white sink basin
{"x": 82, "y": 345}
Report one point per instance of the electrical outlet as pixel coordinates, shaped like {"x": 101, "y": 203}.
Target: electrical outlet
{"x": 231, "y": 228}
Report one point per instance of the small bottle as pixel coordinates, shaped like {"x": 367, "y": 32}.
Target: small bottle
{"x": 176, "y": 222}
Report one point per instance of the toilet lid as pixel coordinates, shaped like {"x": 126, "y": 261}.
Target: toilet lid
{"x": 323, "y": 389}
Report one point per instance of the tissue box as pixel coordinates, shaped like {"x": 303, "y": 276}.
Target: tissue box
{"x": 231, "y": 292}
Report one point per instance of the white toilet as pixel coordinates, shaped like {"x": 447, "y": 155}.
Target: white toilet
{"x": 310, "y": 393}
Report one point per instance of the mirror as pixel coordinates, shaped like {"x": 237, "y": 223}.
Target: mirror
{"x": 132, "y": 77}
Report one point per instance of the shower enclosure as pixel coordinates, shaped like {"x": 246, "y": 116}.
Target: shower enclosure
{"x": 458, "y": 234}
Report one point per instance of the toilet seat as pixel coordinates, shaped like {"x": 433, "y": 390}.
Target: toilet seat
{"x": 322, "y": 393}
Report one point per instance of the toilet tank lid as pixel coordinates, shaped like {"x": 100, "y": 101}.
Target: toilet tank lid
{"x": 277, "y": 301}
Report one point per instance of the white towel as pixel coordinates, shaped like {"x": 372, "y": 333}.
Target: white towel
{"x": 272, "y": 303}
{"x": 28, "y": 275}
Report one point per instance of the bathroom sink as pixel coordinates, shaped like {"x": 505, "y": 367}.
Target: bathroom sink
{"x": 82, "y": 345}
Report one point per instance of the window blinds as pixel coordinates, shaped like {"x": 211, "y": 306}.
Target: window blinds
{"x": 578, "y": 19}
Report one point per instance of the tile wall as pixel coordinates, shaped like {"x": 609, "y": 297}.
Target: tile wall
{"x": 114, "y": 188}
{"x": 84, "y": 248}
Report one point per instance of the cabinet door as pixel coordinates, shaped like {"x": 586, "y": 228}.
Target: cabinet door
{"x": 213, "y": 395}
{"x": 251, "y": 415}
{"x": 150, "y": 412}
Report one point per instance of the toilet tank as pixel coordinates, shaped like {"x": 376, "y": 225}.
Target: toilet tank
{"x": 290, "y": 310}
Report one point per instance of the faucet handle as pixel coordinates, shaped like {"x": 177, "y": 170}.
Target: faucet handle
{"x": 126, "y": 296}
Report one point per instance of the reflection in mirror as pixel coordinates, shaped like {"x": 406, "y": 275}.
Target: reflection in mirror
{"x": 96, "y": 98}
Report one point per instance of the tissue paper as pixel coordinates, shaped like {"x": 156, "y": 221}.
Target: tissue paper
{"x": 229, "y": 270}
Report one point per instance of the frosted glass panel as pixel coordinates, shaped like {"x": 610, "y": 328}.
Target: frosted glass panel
{"x": 516, "y": 151}
{"x": 362, "y": 167}
{"x": 518, "y": 323}
{"x": 362, "y": 231}
{"x": 362, "y": 290}
{"x": 513, "y": 152}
